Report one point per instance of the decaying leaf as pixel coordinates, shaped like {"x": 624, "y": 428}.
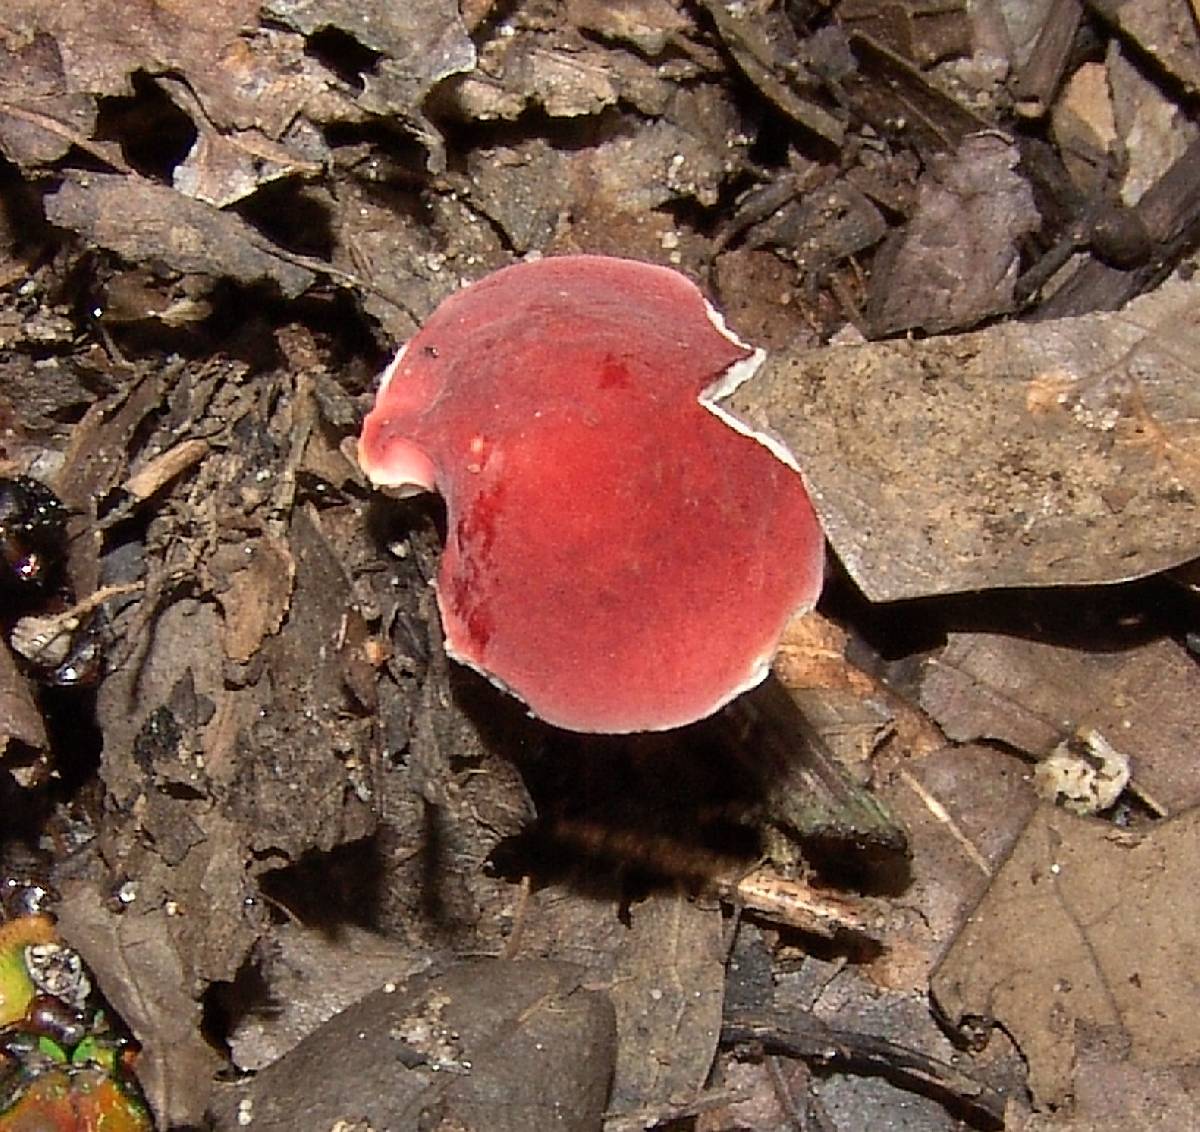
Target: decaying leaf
{"x": 1110, "y": 1091}
{"x": 418, "y": 44}
{"x": 1057, "y": 453}
{"x": 253, "y": 583}
{"x": 20, "y": 721}
{"x": 1152, "y": 129}
{"x": 148, "y": 223}
{"x": 244, "y": 87}
{"x": 1084, "y": 928}
{"x": 39, "y": 118}
{"x": 964, "y": 808}
{"x": 668, "y": 993}
{"x": 140, "y": 971}
{"x": 1165, "y": 30}
{"x": 1030, "y": 695}
{"x": 519, "y": 70}
{"x": 502, "y": 1045}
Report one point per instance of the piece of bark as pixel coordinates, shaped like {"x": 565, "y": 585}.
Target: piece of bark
{"x": 223, "y": 168}
{"x": 956, "y": 261}
{"x": 97, "y": 459}
{"x": 899, "y": 101}
{"x": 922, "y": 31}
{"x": 648, "y": 25}
{"x": 819, "y": 228}
{"x": 561, "y": 73}
{"x": 252, "y": 582}
{"x": 806, "y": 1036}
{"x": 758, "y": 43}
{"x": 1038, "y": 77}
{"x": 1165, "y": 31}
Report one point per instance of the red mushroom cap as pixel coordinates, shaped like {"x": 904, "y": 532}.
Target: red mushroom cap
{"x": 618, "y": 556}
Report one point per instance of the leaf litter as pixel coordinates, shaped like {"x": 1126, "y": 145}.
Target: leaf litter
{"x": 215, "y": 228}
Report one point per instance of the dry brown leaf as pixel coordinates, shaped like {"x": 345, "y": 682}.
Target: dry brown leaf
{"x": 668, "y": 991}
{"x": 1054, "y": 453}
{"x": 1144, "y": 700}
{"x": 502, "y": 1045}
{"x": 420, "y": 43}
{"x": 246, "y": 87}
{"x": 963, "y": 807}
{"x": 1085, "y": 927}
{"x": 141, "y": 972}
{"x": 20, "y": 720}
{"x": 40, "y": 119}
{"x": 144, "y": 222}
{"x": 254, "y": 588}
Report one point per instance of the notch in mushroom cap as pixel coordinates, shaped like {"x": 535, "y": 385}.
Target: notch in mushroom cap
{"x": 619, "y": 554}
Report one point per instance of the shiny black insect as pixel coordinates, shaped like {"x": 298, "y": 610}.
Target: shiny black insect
{"x": 32, "y": 534}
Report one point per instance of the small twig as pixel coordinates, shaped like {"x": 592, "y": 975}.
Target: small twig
{"x": 790, "y": 901}
{"x": 68, "y": 620}
{"x": 806, "y": 1113}
{"x": 794, "y": 902}
{"x": 513, "y": 944}
{"x": 62, "y": 130}
{"x": 806, "y": 1037}
{"x": 47, "y": 639}
{"x": 1040, "y": 77}
{"x": 942, "y": 815}
{"x": 669, "y": 1112}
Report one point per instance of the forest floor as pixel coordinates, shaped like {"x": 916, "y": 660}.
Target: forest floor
{"x": 939, "y": 872}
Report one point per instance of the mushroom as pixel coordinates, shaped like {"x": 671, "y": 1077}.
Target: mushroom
{"x": 620, "y": 553}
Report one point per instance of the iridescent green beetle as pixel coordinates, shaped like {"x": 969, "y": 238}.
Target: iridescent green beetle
{"x": 62, "y": 1066}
